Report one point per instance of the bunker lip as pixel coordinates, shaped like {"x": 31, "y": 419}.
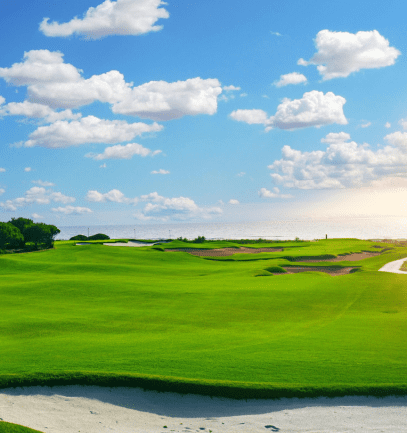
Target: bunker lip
{"x": 326, "y": 269}
{"x": 219, "y": 252}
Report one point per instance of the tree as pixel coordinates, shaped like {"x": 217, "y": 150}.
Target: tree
{"x": 41, "y": 234}
{"x": 9, "y": 234}
{"x": 22, "y": 224}
{"x": 98, "y": 237}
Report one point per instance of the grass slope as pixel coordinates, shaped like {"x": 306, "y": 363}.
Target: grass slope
{"x": 7, "y": 427}
{"x": 170, "y": 320}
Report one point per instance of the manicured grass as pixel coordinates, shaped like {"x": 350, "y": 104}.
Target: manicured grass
{"x": 404, "y": 267}
{"x": 6, "y": 427}
{"x": 170, "y": 320}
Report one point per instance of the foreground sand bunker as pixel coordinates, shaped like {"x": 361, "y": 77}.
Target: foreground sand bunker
{"x": 93, "y": 409}
{"x": 224, "y": 251}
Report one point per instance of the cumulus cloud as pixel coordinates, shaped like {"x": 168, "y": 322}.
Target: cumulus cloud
{"x": 233, "y": 201}
{"x": 103, "y": 165}
{"x": 387, "y": 125}
{"x": 336, "y": 137}
{"x": 123, "y": 152}
{"x": 36, "y": 111}
{"x": 41, "y": 183}
{"x": 114, "y": 196}
{"x": 160, "y": 171}
{"x": 27, "y": 169}
{"x": 121, "y": 17}
{"x": 36, "y": 195}
{"x": 88, "y": 129}
{"x": 292, "y": 78}
{"x": 177, "y": 208}
{"x": 343, "y": 164}
{"x": 40, "y": 67}
{"x": 403, "y": 123}
{"x": 2, "y": 191}
{"x": 231, "y": 88}
{"x": 159, "y": 100}
{"x": 2, "y": 170}
{"x": 51, "y": 82}
{"x": 265, "y": 193}
{"x": 341, "y": 53}
{"x": 36, "y": 216}
{"x": 365, "y": 125}
{"x": 313, "y": 109}
{"x": 72, "y": 210}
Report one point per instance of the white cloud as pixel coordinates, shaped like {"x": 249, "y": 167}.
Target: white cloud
{"x": 103, "y": 165}
{"x": 233, "y": 201}
{"x": 276, "y": 33}
{"x": 2, "y": 100}
{"x": 336, "y": 137}
{"x": 41, "y": 183}
{"x": 251, "y": 117}
{"x": 72, "y": 210}
{"x": 403, "y": 123}
{"x": 121, "y": 17}
{"x": 242, "y": 173}
{"x": 27, "y": 169}
{"x": 341, "y": 53}
{"x": 114, "y": 196}
{"x": 160, "y": 171}
{"x": 387, "y": 125}
{"x": 88, "y": 129}
{"x": 265, "y": 193}
{"x": 242, "y": 95}
{"x": 313, "y": 109}
{"x": 230, "y": 88}
{"x": 159, "y": 100}
{"x": 365, "y": 125}
{"x": 292, "y": 78}
{"x": 34, "y": 110}
{"x": 36, "y": 216}
{"x": 2, "y": 170}
{"x": 36, "y": 195}
{"x": 2, "y": 191}
{"x": 177, "y": 208}
{"x": 342, "y": 165}
{"x": 122, "y": 152}
{"x": 40, "y": 67}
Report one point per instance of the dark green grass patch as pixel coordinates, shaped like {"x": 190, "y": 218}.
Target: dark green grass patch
{"x": 113, "y": 315}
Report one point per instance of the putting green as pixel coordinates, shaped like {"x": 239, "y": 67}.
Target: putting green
{"x": 96, "y": 314}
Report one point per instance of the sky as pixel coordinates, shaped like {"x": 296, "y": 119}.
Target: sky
{"x": 143, "y": 111}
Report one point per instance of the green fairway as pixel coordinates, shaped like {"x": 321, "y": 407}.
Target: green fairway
{"x": 99, "y": 314}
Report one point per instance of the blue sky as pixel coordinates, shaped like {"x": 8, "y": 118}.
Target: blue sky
{"x": 138, "y": 111}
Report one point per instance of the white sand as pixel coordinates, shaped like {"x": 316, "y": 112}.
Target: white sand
{"x": 92, "y": 409}
{"x": 394, "y": 267}
{"x": 129, "y": 244}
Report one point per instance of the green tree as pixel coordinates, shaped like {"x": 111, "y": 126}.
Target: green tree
{"x": 9, "y": 234}
{"x": 41, "y": 233}
{"x": 22, "y": 224}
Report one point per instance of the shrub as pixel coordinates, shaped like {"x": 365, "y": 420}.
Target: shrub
{"x": 98, "y": 237}
{"x": 199, "y": 240}
{"x": 79, "y": 238}
{"x": 275, "y": 269}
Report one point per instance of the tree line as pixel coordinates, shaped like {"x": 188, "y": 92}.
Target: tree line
{"x": 18, "y": 232}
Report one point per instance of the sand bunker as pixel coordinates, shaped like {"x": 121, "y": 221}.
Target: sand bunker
{"x": 219, "y": 252}
{"x": 327, "y": 269}
{"x": 354, "y": 257}
{"x": 93, "y": 409}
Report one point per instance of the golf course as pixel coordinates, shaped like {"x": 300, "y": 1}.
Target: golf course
{"x": 264, "y": 320}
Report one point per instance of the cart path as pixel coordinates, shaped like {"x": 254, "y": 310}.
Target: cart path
{"x": 394, "y": 267}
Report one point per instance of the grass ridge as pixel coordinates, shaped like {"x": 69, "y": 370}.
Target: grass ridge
{"x": 213, "y": 388}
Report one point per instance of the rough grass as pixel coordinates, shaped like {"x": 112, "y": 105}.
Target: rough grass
{"x": 173, "y": 321}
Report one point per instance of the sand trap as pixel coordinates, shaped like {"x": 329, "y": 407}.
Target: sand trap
{"x": 92, "y": 409}
{"x": 394, "y": 267}
{"x": 219, "y": 252}
{"x": 354, "y": 257}
{"x": 130, "y": 244}
{"x": 326, "y": 269}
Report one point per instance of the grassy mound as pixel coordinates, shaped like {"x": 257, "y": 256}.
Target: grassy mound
{"x": 140, "y": 317}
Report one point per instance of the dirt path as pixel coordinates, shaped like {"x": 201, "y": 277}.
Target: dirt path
{"x": 92, "y": 409}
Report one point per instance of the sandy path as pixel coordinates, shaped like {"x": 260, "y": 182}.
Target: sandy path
{"x": 394, "y": 267}
{"x": 92, "y": 409}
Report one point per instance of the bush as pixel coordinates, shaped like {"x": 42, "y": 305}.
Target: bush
{"x": 98, "y": 237}
{"x": 11, "y": 235}
{"x": 79, "y": 238}
{"x": 199, "y": 240}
